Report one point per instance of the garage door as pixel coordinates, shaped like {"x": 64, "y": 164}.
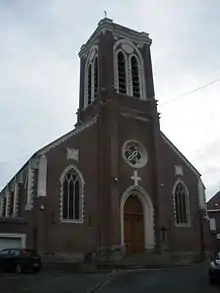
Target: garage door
{"x": 7, "y": 242}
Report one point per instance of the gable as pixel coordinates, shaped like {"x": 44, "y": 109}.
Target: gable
{"x": 34, "y": 159}
{"x": 179, "y": 154}
{"x": 67, "y": 136}
{"x": 214, "y": 202}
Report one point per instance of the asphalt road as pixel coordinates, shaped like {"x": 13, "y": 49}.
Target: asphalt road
{"x": 50, "y": 282}
{"x": 190, "y": 279}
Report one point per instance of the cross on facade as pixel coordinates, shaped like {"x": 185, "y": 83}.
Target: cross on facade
{"x": 135, "y": 177}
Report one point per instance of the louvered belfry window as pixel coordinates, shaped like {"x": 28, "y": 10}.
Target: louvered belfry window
{"x": 122, "y": 80}
{"x": 89, "y": 84}
{"x": 95, "y": 76}
{"x": 91, "y": 77}
{"x": 135, "y": 77}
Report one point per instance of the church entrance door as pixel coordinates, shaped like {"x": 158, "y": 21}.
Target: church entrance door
{"x": 133, "y": 225}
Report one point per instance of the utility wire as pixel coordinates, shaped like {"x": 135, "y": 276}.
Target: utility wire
{"x": 191, "y": 92}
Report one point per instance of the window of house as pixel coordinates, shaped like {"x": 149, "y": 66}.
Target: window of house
{"x": 122, "y": 80}
{"x": 71, "y": 197}
{"x": 181, "y": 205}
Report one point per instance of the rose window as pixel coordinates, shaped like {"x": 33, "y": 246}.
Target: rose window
{"x": 134, "y": 154}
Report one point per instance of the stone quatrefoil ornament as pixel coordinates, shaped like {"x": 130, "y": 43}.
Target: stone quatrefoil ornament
{"x": 134, "y": 154}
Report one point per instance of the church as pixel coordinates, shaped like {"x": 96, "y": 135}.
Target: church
{"x": 115, "y": 184}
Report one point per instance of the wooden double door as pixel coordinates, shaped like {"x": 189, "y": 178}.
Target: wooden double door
{"x": 133, "y": 226}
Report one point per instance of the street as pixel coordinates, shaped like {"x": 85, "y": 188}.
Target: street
{"x": 190, "y": 279}
{"x": 50, "y": 282}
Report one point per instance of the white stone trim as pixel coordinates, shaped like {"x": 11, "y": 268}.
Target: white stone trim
{"x": 30, "y": 183}
{"x": 148, "y": 210}
{"x": 3, "y": 196}
{"x": 143, "y": 151}
{"x": 82, "y": 184}
{"x": 178, "y": 170}
{"x": 118, "y": 32}
{"x": 7, "y": 202}
{"x": 55, "y": 143}
{"x": 15, "y": 198}
{"x": 72, "y": 154}
{"x": 181, "y": 156}
{"x": 136, "y": 178}
{"x": 15, "y": 235}
{"x": 188, "y": 224}
{"x": 42, "y": 176}
{"x": 68, "y": 135}
{"x": 201, "y": 195}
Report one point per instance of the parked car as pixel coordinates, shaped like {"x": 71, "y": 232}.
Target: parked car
{"x": 214, "y": 269}
{"x": 20, "y": 260}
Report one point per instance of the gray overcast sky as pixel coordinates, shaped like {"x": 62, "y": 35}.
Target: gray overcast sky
{"x": 39, "y": 73}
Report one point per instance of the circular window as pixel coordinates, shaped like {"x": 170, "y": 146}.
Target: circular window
{"x": 134, "y": 154}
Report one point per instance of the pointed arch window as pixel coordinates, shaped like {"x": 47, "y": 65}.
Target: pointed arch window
{"x": 135, "y": 77}
{"x": 89, "y": 84}
{"x": 181, "y": 203}
{"x": 129, "y": 77}
{"x": 71, "y": 197}
{"x": 91, "y": 77}
{"x": 122, "y": 79}
{"x": 95, "y": 76}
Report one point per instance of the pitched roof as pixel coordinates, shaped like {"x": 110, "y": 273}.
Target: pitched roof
{"x": 181, "y": 156}
{"x": 215, "y": 199}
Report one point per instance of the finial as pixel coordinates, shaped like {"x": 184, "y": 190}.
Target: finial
{"x": 105, "y": 13}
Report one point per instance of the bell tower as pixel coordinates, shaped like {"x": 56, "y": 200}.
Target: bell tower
{"x": 116, "y": 87}
{"x": 115, "y": 61}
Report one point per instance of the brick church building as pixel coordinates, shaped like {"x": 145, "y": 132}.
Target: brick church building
{"x": 115, "y": 183}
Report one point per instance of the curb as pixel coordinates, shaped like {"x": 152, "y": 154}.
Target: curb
{"x": 109, "y": 268}
{"x": 152, "y": 266}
